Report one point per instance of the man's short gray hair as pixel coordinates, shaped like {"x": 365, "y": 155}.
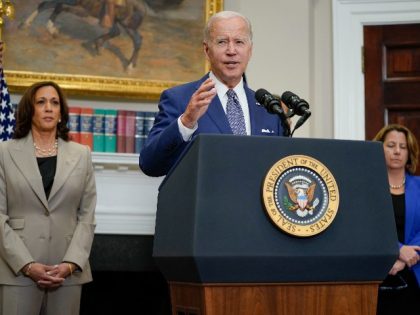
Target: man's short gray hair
{"x": 224, "y": 15}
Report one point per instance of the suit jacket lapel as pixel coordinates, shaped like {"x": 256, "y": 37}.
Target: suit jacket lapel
{"x": 66, "y": 162}
{"x": 218, "y": 116}
{"x": 254, "y": 116}
{"x": 23, "y": 155}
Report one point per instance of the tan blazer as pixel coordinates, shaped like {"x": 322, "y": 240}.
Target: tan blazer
{"x": 33, "y": 228}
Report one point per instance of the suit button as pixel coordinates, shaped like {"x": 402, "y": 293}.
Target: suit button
{"x": 47, "y": 213}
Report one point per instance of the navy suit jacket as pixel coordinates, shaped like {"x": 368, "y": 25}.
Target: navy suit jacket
{"x": 165, "y": 145}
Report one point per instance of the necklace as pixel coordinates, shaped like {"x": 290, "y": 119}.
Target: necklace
{"x": 397, "y": 186}
{"x": 52, "y": 150}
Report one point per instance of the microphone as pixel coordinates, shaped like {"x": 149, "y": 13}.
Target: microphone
{"x": 299, "y": 106}
{"x": 270, "y": 103}
{"x": 273, "y": 106}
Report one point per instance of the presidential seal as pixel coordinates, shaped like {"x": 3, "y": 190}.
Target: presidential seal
{"x": 300, "y": 195}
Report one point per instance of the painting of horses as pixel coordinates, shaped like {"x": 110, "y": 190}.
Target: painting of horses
{"x": 126, "y": 48}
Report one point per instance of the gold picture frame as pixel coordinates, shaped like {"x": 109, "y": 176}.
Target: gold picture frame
{"x": 124, "y": 84}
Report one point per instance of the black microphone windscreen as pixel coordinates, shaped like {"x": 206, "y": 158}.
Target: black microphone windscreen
{"x": 285, "y": 97}
{"x": 294, "y": 102}
{"x": 260, "y": 95}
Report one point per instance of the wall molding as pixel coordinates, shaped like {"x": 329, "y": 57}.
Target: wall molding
{"x": 349, "y": 17}
{"x": 127, "y": 198}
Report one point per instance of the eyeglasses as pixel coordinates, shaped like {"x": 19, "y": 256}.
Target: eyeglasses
{"x": 399, "y": 285}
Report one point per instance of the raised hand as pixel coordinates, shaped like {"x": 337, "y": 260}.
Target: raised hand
{"x": 199, "y": 103}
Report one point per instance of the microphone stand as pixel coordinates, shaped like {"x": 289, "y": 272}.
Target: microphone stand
{"x": 301, "y": 120}
{"x": 286, "y": 126}
{"x": 275, "y": 108}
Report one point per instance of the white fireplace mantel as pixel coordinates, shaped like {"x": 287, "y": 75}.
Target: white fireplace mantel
{"x": 127, "y": 198}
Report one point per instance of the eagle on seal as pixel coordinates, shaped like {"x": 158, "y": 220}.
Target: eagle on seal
{"x": 301, "y": 198}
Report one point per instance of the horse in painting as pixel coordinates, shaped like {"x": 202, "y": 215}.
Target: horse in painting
{"x": 113, "y": 16}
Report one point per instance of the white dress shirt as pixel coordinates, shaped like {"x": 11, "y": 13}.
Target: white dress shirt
{"x": 221, "y": 90}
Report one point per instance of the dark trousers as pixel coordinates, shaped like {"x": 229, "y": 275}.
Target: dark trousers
{"x": 399, "y": 294}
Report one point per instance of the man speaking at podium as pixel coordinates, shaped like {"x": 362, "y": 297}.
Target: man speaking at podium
{"x": 218, "y": 103}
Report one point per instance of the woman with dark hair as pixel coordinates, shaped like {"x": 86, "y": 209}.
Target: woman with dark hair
{"x": 47, "y": 205}
{"x": 399, "y": 293}
{"x": 27, "y": 109}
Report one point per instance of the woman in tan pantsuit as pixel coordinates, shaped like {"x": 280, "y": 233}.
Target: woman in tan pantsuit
{"x": 47, "y": 205}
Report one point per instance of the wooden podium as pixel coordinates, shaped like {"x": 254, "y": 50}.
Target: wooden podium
{"x": 221, "y": 254}
{"x": 275, "y": 299}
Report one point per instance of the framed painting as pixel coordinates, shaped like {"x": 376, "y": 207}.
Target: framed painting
{"x": 120, "y": 48}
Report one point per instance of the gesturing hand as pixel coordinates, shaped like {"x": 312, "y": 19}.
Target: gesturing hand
{"x": 199, "y": 103}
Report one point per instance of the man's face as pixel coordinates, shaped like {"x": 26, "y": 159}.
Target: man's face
{"x": 229, "y": 49}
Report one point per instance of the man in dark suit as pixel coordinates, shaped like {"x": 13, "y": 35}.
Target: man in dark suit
{"x": 220, "y": 102}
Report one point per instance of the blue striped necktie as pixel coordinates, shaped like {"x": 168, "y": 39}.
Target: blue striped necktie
{"x": 234, "y": 114}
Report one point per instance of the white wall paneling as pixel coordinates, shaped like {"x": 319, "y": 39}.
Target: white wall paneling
{"x": 127, "y": 198}
{"x": 349, "y": 17}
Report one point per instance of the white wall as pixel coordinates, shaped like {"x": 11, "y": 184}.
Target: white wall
{"x": 350, "y": 16}
{"x": 292, "y": 51}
